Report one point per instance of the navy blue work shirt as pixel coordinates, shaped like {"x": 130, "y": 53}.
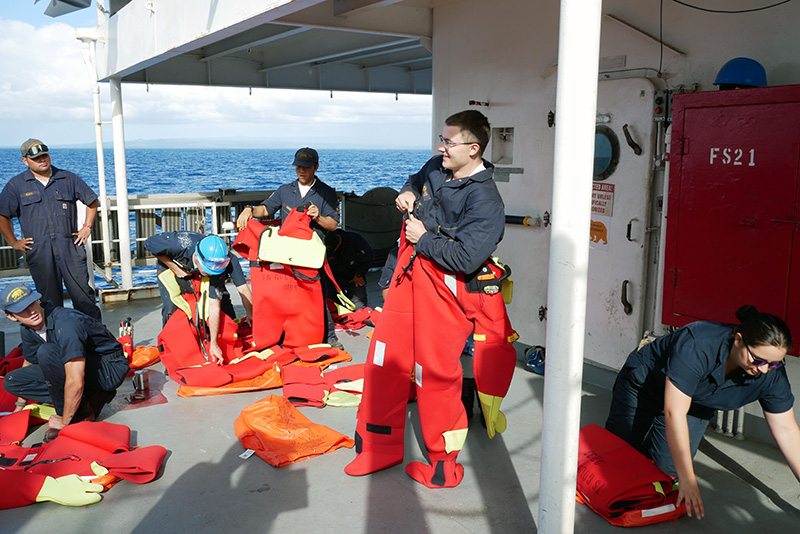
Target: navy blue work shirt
{"x": 45, "y": 210}
{"x": 180, "y": 246}
{"x": 693, "y": 357}
{"x": 287, "y": 197}
{"x": 464, "y": 218}
{"x": 78, "y": 335}
{"x": 388, "y": 269}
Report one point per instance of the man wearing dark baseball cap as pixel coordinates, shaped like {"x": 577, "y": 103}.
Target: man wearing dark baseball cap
{"x": 44, "y": 199}
{"x": 320, "y": 199}
{"x": 321, "y": 203}
{"x": 72, "y": 361}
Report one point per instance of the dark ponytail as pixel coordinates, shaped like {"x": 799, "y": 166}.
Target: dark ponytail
{"x": 760, "y": 329}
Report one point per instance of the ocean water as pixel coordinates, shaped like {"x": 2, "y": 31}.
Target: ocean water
{"x": 175, "y": 170}
{"x": 152, "y": 170}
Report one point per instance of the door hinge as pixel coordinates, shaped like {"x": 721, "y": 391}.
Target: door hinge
{"x": 674, "y": 274}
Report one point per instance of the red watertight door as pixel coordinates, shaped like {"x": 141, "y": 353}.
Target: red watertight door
{"x": 732, "y": 209}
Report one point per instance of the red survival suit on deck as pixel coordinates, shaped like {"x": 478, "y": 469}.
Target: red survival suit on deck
{"x": 24, "y": 469}
{"x": 426, "y": 319}
{"x": 287, "y": 299}
{"x": 184, "y": 341}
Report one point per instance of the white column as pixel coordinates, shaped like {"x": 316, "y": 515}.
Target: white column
{"x": 576, "y": 104}
{"x": 121, "y": 175}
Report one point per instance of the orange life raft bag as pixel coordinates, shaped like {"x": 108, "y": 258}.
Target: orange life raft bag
{"x": 279, "y": 434}
{"x": 620, "y": 483}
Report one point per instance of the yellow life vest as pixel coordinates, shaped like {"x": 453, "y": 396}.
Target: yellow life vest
{"x": 167, "y": 277}
{"x": 273, "y": 247}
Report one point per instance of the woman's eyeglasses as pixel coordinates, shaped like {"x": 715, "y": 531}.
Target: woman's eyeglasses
{"x": 760, "y": 362}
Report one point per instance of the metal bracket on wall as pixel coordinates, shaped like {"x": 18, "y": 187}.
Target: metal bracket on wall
{"x": 502, "y": 174}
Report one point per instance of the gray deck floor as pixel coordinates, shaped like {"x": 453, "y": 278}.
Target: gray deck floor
{"x": 206, "y": 487}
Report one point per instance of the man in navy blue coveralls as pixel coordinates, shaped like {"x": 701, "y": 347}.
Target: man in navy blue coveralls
{"x": 71, "y": 360}
{"x": 44, "y": 198}
{"x": 319, "y": 199}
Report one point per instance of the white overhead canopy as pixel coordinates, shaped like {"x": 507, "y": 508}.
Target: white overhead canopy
{"x": 343, "y": 45}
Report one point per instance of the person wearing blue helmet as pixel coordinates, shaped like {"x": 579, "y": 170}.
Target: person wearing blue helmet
{"x": 191, "y": 254}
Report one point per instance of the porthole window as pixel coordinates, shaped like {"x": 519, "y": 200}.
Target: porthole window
{"x": 606, "y": 152}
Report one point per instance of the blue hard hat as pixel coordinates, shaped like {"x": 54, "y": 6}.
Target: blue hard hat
{"x": 212, "y": 252}
{"x": 742, "y": 72}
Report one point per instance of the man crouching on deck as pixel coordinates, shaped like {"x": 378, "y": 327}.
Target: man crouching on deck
{"x": 445, "y": 286}
{"x": 71, "y": 360}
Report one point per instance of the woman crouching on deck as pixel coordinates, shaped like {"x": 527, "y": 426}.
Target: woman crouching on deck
{"x": 669, "y": 389}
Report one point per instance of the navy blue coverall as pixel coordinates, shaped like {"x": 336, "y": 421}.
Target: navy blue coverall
{"x": 70, "y": 334}
{"x": 287, "y": 197}
{"x": 180, "y": 246}
{"x": 48, "y": 214}
{"x": 693, "y": 357}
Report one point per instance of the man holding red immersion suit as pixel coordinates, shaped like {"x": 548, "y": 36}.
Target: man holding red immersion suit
{"x": 445, "y": 286}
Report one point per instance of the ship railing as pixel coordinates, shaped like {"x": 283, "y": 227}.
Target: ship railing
{"x": 151, "y": 214}
{"x": 373, "y": 215}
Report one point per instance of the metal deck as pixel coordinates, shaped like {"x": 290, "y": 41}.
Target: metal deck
{"x": 206, "y": 487}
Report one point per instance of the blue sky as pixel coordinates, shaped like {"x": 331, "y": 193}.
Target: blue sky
{"x": 49, "y": 97}
{"x": 33, "y": 13}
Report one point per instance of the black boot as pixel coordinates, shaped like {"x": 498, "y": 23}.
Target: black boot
{"x": 468, "y": 395}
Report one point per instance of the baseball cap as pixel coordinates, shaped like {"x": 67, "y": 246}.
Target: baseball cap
{"x": 306, "y": 157}
{"x": 16, "y": 297}
{"x": 33, "y": 148}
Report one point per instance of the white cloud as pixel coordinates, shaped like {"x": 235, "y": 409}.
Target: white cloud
{"x": 45, "y": 92}
{"x": 42, "y": 73}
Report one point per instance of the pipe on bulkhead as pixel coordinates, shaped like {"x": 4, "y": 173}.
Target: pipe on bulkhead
{"x": 576, "y": 104}
{"x": 523, "y": 220}
{"x": 89, "y": 40}
{"x": 121, "y": 180}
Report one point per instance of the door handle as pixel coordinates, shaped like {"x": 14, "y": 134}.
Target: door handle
{"x": 630, "y": 225}
{"x": 625, "y": 304}
{"x": 631, "y": 143}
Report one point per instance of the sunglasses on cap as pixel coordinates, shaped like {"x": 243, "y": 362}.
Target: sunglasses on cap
{"x": 37, "y": 150}
{"x": 760, "y": 362}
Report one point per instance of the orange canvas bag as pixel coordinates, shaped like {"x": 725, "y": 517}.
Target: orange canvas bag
{"x": 279, "y": 434}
